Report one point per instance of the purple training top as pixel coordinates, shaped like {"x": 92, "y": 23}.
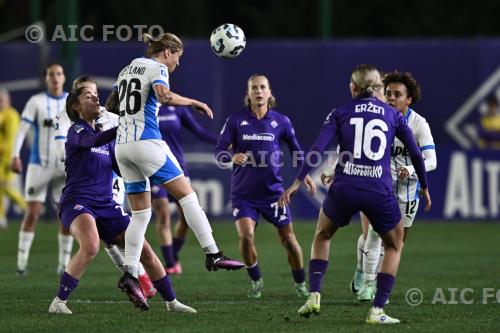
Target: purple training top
{"x": 365, "y": 128}
{"x": 260, "y": 139}
{"x": 171, "y": 120}
{"x": 89, "y": 162}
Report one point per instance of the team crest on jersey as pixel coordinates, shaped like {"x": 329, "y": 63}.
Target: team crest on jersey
{"x": 274, "y": 124}
{"x": 163, "y": 73}
{"x": 78, "y": 128}
{"x": 244, "y": 123}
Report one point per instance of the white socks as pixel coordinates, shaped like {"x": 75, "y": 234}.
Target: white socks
{"x": 134, "y": 238}
{"x": 372, "y": 254}
{"x": 24, "y": 246}
{"x": 65, "y": 247}
{"x": 198, "y": 222}
{"x": 359, "y": 252}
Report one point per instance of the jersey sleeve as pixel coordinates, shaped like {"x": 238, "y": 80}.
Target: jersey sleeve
{"x": 30, "y": 110}
{"x": 159, "y": 75}
{"x": 61, "y": 127}
{"x": 327, "y": 133}
{"x": 424, "y": 136}
{"x": 78, "y": 136}
{"x": 225, "y": 140}
{"x": 290, "y": 138}
{"x": 188, "y": 121}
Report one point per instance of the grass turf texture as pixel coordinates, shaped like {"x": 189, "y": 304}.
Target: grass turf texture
{"x": 437, "y": 255}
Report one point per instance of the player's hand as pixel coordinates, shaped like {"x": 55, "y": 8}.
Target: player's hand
{"x": 326, "y": 179}
{"x": 203, "y": 109}
{"x": 310, "y": 186}
{"x": 16, "y": 165}
{"x": 403, "y": 173}
{"x": 239, "y": 158}
{"x": 424, "y": 192}
{"x": 287, "y": 195}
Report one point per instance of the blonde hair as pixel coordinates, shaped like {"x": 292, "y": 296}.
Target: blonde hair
{"x": 271, "y": 102}
{"x": 167, "y": 41}
{"x": 367, "y": 79}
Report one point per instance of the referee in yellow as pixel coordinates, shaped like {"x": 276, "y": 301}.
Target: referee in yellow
{"x": 9, "y": 123}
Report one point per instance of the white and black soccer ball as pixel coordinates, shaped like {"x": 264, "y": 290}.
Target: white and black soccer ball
{"x": 228, "y": 41}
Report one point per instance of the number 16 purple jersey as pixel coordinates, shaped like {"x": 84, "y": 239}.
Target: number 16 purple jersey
{"x": 365, "y": 128}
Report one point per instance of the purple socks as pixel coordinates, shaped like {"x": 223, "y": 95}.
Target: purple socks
{"x": 165, "y": 288}
{"x": 168, "y": 255}
{"x": 68, "y": 284}
{"x": 385, "y": 282}
{"x": 317, "y": 269}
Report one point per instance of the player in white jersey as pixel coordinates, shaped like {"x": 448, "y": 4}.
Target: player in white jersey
{"x": 44, "y": 167}
{"x": 143, "y": 156}
{"x": 106, "y": 120}
{"x": 401, "y": 92}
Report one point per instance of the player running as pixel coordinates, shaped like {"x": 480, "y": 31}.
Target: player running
{"x": 88, "y": 209}
{"x": 44, "y": 167}
{"x": 365, "y": 128}
{"x": 171, "y": 121}
{"x": 145, "y": 158}
{"x": 255, "y": 135}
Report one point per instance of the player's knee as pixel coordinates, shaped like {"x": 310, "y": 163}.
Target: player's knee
{"x": 288, "y": 240}
{"x": 247, "y": 239}
{"x": 91, "y": 249}
{"x": 147, "y": 256}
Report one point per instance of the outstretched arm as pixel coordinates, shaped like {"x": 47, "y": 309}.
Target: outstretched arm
{"x": 85, "y": 139}
{"x": 166, "y": 96}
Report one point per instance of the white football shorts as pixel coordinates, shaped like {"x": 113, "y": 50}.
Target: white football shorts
{"x": 37, "y": 182}
{"x": 146, "y": 162}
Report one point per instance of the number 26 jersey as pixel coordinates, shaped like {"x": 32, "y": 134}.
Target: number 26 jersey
{"x": 137, "y": 100}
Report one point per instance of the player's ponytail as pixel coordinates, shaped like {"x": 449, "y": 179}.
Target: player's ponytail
{"x": 147, "y": 38}
{"x": 167, "y": 41}
{"x": 367, "y": 80}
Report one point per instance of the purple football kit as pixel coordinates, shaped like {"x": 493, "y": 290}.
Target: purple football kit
{"x": 257, "y": 185}
{"x": 171, "y": 120}
{"x": 365, "y": 128}
{"x": 89, "y": 167}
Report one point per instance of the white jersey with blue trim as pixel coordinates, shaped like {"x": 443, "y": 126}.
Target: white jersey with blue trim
{"x": 40, "y": 111}
{"x": 137, "y": 100}
{"x": 407, "y": 189}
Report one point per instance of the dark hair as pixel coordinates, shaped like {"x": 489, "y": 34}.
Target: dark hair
{"x": 407, "y": 79}
{"x": 71, "y": 100}
{"x": 83, "y": 79}
{"x": 271, "y": 102}
{"x": 50, "y": 65}
{"x": 167, "y": 41}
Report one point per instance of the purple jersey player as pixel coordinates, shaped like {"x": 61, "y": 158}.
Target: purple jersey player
{"x": 255, "y": 135}
{"x": 365, "y": 128}
{"x": 88, "y": 209}
{"x": 171, "y": 121}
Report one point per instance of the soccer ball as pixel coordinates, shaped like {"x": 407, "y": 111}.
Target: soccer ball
{"x": 228, "y": 41}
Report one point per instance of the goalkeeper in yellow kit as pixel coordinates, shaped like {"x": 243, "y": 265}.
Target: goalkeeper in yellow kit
{"x": 9, "y": 123}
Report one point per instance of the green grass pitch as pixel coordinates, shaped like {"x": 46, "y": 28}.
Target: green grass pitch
{"x": 437, "y": 255}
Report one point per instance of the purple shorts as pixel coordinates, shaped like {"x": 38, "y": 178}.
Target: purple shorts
{"x": 110, "y": 218}
{"x": 342, "y": 203}
{"x": 270, "y": 210}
